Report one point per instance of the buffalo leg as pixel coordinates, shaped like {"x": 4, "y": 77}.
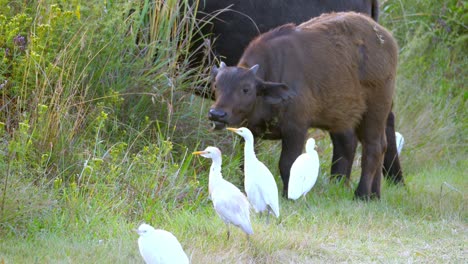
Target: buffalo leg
{"x": 292, "y": 146}
{"x": 344, "y": 149}
{"x": 391, "y": 166}
{"x": 376, "y": 181}
{"x": 371, "y": 133}
{"x": 372, "y": 158}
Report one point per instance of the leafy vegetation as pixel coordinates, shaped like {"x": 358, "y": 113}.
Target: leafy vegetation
{"x": 97, "y": 124}
{"x": 432, "y": 95}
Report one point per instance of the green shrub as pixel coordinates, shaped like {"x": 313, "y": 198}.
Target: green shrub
{"x": 92, "y": 96}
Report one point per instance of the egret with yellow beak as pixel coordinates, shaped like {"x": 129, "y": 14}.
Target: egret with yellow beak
{"x": 229, "y": 202}
{"x": 259, "y": 183}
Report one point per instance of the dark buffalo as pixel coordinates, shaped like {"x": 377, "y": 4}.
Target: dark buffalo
{"x": 239, "y": 21}
{"x": 335, "y": 72}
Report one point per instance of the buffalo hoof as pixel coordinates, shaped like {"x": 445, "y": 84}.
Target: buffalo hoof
{"x": 365, "y": 196}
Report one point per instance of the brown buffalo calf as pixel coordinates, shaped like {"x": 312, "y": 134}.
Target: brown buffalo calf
{"x": 335, "y": 72}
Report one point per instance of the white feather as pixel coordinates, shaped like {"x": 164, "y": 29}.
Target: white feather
{"x": 400, "y": 141}
{"x": 159, "y": 246}
{"x": 260, "y": 185}
{"x": 229, "y": 202}
{"x": 304, "y": 172}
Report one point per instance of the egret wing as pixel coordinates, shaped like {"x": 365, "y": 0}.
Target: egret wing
{"x": 171, "y": 249}
{"x": 162, "y": 247}
{"x": 400, "y": 141}
{"x": 314, "y": 167}
{"x": 298, "y": 175}
{"x": 268, "y": 184}
{"x": 233, "y": 207}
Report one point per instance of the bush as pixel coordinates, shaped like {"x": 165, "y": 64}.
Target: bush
{"x": 91, "y": 98}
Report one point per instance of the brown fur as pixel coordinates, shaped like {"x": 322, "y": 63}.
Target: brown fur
{"x": 335, "y": 72}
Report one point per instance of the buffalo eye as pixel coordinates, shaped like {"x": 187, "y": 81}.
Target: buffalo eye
{"x": 245, "y": 90}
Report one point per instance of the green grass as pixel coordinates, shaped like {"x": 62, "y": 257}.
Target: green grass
{"x": 424, "y": 222}
{"x": 97, "y": 124}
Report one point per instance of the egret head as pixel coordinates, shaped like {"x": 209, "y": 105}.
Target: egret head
{"x": 209, "y": 152}
{"x": 144, "y": 229}
{"x": 242, "y": 131}
{"x": 310, "y": 145}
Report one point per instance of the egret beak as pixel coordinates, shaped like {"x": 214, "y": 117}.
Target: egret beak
{"x": 232, "y": 129}
{"x": 198, "y": 152}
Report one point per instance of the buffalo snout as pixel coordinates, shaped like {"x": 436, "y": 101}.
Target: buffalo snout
{"x": 217, "y": 115}
{"x": 219, "y": 118}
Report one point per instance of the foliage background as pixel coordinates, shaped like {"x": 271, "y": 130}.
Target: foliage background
{"x": 97, "y": 123}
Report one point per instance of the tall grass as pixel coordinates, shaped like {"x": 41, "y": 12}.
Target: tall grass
{"x": 431, "y": 99}
{"x": 92, "y": 99}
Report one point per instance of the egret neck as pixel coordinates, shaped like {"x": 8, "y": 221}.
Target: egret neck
{"x": 249, "y": 151}
{"x": 215, "y": 172}
{"x": 250, "y": 160}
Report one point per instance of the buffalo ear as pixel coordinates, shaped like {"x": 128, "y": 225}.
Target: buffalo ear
{"x": 215, "y": 70}
{"x": 254, "y": 69}
{"x": 274, "y": 93}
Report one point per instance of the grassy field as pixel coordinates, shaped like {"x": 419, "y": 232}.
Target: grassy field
{"x": 97, "y": 123}
{"x": 424, "y": 222}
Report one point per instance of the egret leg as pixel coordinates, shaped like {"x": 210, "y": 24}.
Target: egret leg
{"x": 305, "y": 201}
{"x": 268, "y": 217}
{"x": 228, "y": 233}
{"x": 260, "y": 215}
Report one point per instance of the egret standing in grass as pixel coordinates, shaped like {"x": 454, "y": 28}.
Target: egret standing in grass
{"x": 304, "y": 172}
{"x": 259, "y": 183}
{"x": 228, "y": 201}
{"x": 400, "y": 141}
{"x": 159, "y": 246}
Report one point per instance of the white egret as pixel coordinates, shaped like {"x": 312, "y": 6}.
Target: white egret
{"x": 304, "y": 172}
{"x": 259, "y": 183}
{"x": 400, "y": 141}
{"x": 159, "y": 246}
{"x": 229, "y": 202}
